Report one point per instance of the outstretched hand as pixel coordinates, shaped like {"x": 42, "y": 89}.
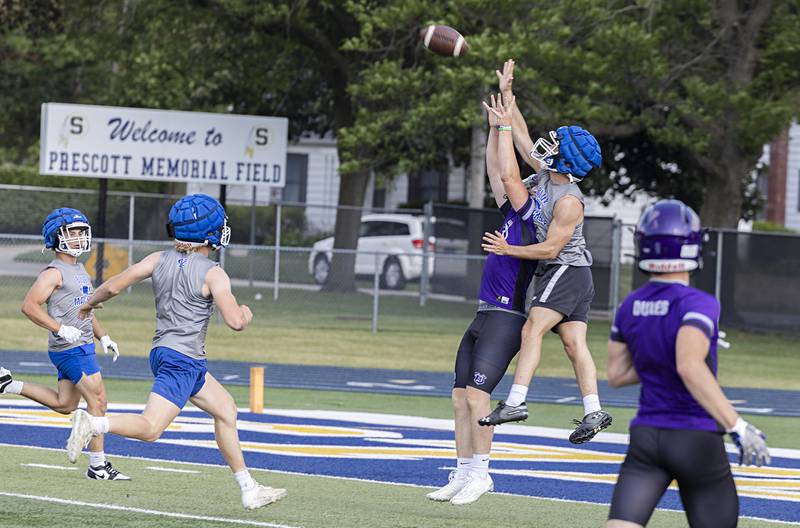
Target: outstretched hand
{"x": 502, "y": 108}
{"x": 495, "y": 243}
{"x": 506, "y": 78}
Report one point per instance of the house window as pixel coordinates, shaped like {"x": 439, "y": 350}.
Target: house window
{"x": 296, "y": 178}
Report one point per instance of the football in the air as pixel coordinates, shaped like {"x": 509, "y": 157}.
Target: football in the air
{"x": 444, "y": 40}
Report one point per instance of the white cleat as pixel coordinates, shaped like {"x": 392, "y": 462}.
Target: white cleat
{"x": 82, "y": 432}
{"x": 261, "y": 496}
{"x": 448, "y": 491}
{"x": 475, "y": 488}
{"x": 5, "y": 379}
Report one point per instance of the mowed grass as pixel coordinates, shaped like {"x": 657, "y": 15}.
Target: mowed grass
{"x": 316, "y": 328}
{"x": 312, "y": 501}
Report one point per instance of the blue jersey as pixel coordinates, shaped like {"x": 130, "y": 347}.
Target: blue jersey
{"x": 648, "y": 322}
{"x": 505, "y": 279}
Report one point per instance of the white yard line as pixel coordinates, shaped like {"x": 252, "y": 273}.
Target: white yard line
{"x": 171, "y": 470}
{"x": 48, "y": 466}
{"x": 142, "y": 510}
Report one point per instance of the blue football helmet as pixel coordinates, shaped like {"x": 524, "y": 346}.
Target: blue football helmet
{"x": 67, "y": 230}
{"x": 200, "y": 220}
{"x": 669, "y": 238}
{"x": 570, "y": 150}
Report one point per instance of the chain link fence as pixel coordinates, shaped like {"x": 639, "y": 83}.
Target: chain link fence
{"x": 412, "y": 267}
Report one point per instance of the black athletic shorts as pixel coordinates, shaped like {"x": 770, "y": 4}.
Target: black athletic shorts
{"x": 696, "y": 459}
{"x": 565, "y": 289}
{"x": 487, "y": 348}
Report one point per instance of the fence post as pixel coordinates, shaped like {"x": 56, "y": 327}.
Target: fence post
{"x": 718, "y": 268}
{"x": 616, "y": 250}
{"x": 375, "y": 294}
{"x": 427, "y": 231}
{"x": 276, "y": 277}
{"x": 131, "y": 218}
{"x": 250, "y": 254}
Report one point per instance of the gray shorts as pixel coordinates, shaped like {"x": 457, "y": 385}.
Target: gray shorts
{"x": 565, "y": 289}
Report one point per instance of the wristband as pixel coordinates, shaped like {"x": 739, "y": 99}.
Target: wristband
{"x": 503, "y": 128}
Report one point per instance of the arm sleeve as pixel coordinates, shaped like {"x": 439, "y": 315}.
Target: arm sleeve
{"x": 526, "y": 210}
{"x": 702, "y": 313}
{"x": 506, "y": 208}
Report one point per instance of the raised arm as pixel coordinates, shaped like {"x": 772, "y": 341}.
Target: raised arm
{"x": 522, "y": 138}
{"x": 219, "y": 287}
{"x": 506, "y": 160}
{"x": 492, "y": 163}
{"x": 567, "y": 214}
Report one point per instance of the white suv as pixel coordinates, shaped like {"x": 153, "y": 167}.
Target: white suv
{"x": 397, "y": 237}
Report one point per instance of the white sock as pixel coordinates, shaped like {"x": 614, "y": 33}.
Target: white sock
{"x": 100, "y": 424}
{"x": 463, "y": 466}
{"x": 517, "y": 395}
{"x": 480, "y": 465}
{"x": 97, "y": 458}
{"x": 244, "y": 480}
{"x": 13, "y": 387}
{"x": 591, "y": 403}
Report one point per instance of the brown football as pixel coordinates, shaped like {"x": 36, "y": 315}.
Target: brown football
{"x": 444, "y": 40}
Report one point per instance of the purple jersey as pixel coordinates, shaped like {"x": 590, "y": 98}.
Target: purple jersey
{"x": 648, "y": 322}
{"x": 505, "y": 279}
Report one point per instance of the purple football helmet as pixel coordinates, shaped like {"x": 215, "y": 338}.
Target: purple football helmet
{"x": 669, "y": 238}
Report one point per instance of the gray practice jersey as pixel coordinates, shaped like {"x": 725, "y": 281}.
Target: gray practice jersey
{"x": 182, "y": 313}
{"x": 574, "y": 253}
{"x": 64, "y": 302}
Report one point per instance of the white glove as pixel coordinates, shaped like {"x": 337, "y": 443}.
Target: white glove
{"x": 70, "y": 334}
{"x": 107, "y": 344}
{"x": 751, "y": 443}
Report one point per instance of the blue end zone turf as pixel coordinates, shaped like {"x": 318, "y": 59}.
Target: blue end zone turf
{"x": 531, "y": 461}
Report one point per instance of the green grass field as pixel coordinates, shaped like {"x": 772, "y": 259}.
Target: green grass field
{"x": 312, "y": 502}
{"x": 313, "y": 328}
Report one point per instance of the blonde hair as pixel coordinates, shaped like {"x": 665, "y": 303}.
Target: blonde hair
{"x": 186, "y": 247}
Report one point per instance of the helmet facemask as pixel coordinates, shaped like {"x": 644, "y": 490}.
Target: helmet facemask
{"x": 74, "y": 239}
{"x": 545, "y": 152}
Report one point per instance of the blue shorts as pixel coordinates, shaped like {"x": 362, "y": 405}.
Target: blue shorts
{"x": 178, "y": 377}
{"x": 72, "y": 364}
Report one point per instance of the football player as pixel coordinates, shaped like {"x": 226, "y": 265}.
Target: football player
{"x": 564, "y": 289}
{"x": 187, "y": 285}
{"x": 493, "y": 338}
{"x": 65, "y": 286}
{"x": 665, "y": 337}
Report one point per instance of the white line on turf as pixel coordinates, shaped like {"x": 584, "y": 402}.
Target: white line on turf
{"x": 388, "y": 483}
{"x": 171, "y": 470}
{"x": 142, "y": 510}
{"x": 48, "y": 466}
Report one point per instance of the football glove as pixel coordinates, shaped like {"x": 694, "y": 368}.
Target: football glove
{"x": 751, "y": 443}
{"x": 107, "y": 345}
{"x": 70, "y": 334}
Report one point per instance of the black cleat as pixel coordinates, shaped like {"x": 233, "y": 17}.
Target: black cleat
{"x": 505, "y": 413}
{"x": 106, "y": 472}
{"x": 591, "y": 424}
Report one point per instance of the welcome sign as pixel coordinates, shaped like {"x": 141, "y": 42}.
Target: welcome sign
{"x": 162, "y": 145}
